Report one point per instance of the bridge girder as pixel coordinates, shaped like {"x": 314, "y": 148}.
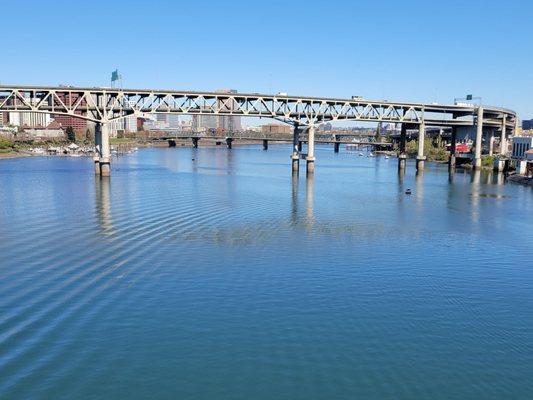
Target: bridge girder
{"x": 104, "y": 105}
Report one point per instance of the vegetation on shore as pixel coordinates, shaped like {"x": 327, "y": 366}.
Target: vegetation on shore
{"x": 433, "y": 151}
{"x": 6, "y": 146}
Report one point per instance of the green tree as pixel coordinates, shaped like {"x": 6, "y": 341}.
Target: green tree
{"x": 71, "y": 135}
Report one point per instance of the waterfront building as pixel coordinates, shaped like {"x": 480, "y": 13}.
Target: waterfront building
{"x": 527, "y": 124}
{"x": 521, "y": 144}
{"x": 31, "y": 119}
{"x": 276, "y": 129}
{"x": 52, "y": 131}
{"x": 78, "y": 124}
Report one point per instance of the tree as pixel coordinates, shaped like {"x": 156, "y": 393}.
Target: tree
{"x": 71, "y": 135}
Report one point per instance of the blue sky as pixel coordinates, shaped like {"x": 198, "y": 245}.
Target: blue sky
{"x": 397, "y": 50}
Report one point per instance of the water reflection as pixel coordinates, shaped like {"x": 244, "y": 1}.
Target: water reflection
{"x": 308, "y": 220}
{"x": 309, "y": 188}
{"x": 102, "y": 188}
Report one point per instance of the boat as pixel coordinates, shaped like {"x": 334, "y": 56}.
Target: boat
{"x": 408, "y": 191}
{"x": 387, "y": 157}
{"x": 361, "y": 154}
{"x": 371, "y": 154}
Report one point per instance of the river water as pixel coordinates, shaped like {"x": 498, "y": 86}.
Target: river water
{"x": 215, "y": 274}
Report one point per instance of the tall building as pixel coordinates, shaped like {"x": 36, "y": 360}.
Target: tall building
{"x": 203, "y": 122}
{"x": 78, "y": 124}
{"x": 228, "y": 123}
{"x": 29, "y": 119}
{"x": 527, "y": 124}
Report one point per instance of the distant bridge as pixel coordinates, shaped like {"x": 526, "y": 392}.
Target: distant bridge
{"x": 103, "y": 105}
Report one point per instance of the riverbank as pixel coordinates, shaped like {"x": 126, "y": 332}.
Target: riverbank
{"x": 12, "y": 154}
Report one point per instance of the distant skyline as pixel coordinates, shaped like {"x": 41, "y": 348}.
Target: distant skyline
{"x": 410, "y": 50}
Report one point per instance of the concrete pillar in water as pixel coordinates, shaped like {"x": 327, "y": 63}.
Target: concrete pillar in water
{"x": 105, "y": 159}
{"x": 336, "y": 145}
{"x": 229, "y": 142}
{"x": 265, "y": 144}
{"x": 503, "y": 141}
{"x": 453, "y": 145}
{"x": 295, "y": 156}
{"x": 311, "y": 149}
{"x": 97, "y": 147}
{"x": 420, "y": 158}
{"x": 402, "y": 157}
{"x": 479, "y": 137}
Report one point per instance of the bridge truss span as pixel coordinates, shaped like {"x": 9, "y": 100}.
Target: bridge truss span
{"x": 103, "y": 105}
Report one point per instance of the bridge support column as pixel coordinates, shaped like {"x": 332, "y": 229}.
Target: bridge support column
{"x": 311, "y": 149}
{"x": 479, "y": 137}
{"x": 336, "y": 145}
{"x": 195, "y": 142}
{"x": 229, "y": 143}
{"x": 503, "y": 141}
{"x": 453, "y": 145}
{"x": 265, "y": 144}
{"x": 105, "y": 159}
{"x": 97, "y": 147}
{"x": 491, "y": 143}
{"x": 421, "y": 158}
{"x": 295, "y": 157}
{"x": 402, "y": 157}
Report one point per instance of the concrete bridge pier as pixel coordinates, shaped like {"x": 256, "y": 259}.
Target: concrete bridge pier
{"x": 295, "y": 156}
{"x": 105, "y": 159}
{"x": 195, "y": 142}
{"x": 229, "y": 143}
{"x": 421, "y": 158}
{"x": 336, "y": 145}
{"x": 265, "y": 144}
{"x": 98, "y": 148}
{"x": 479, "y": 137}
{"x": 491, "y": 143}
{"x": 311, "y": 149}
{"x": 452, "y": 160}
{"x": 503, "y": 141}
{"x": 402, "y": 157}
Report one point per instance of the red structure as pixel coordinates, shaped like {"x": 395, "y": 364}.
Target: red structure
{"x": 78, "y": 124}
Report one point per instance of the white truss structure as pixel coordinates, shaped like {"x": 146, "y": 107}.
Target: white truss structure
{"x": 108, "y": 104}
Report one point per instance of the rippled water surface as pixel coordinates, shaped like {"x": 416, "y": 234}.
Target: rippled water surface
{"x": 215, "y": 274}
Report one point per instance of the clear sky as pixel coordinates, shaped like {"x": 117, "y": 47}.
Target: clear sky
{"x": 397, "y": 50}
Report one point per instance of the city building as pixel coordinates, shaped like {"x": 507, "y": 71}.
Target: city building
{"x": 228, "y": 123}
{"x": 203, "y": 122}
{"x": 276, "y": 129}
{"x": 52, "y": 131}
{"x": 78, "y": 124}
{"x": 527, "y": 124}
{"x": 29, "y": 119}
{"x": 521, "y": 144}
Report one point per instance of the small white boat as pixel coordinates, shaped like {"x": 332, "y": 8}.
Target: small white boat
{"x": 361, "y": 154}
{"x": 371, "y": 154}
{"x": 387, "y": 157}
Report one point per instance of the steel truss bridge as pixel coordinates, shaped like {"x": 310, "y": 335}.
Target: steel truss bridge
{"x": 103, "y": 105}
